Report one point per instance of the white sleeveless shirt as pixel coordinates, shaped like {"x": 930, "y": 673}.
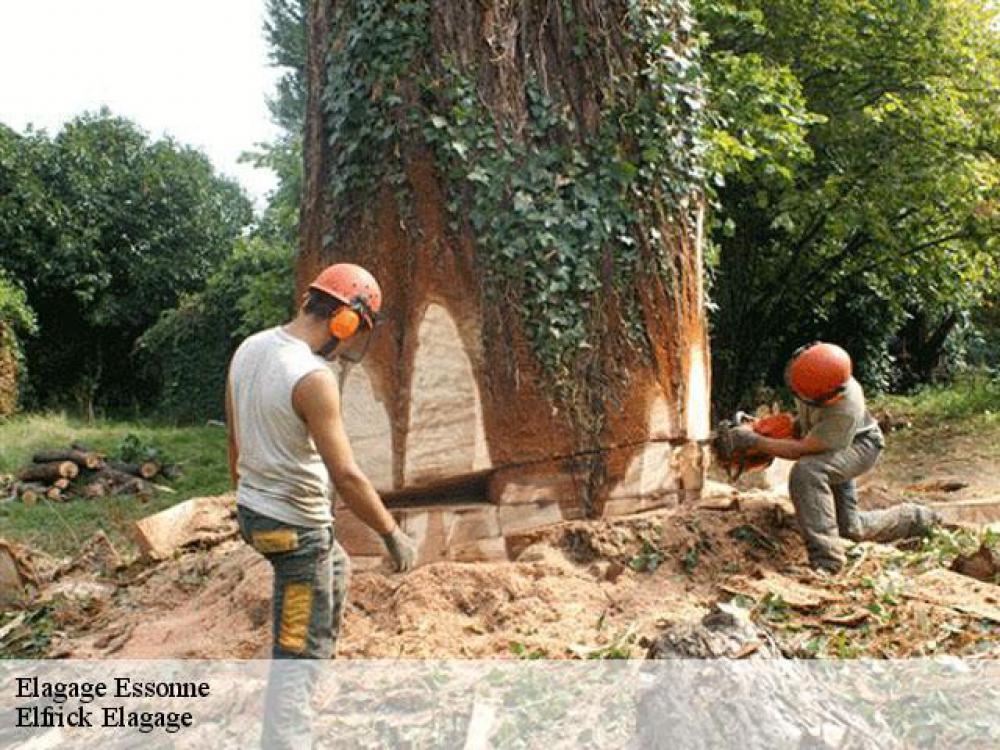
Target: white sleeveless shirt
{"x": 281, "y": 473}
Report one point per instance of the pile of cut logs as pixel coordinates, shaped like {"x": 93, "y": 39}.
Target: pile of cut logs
{"x": 78, "y": 472}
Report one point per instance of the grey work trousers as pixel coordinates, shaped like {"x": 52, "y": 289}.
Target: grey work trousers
{"x": 823, "y": 489}
{"x": 311, "y": 573}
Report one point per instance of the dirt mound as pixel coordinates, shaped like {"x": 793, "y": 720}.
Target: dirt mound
{"x": 582, "y": 589}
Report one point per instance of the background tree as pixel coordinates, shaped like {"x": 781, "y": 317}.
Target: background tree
{"x": 859, "y": 144}
{"x": 106, "y": 228}
{"x": 16, "y": 321}
{"x": 188, "y": 349}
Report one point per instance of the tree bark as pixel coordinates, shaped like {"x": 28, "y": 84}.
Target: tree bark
{"x": 453, "y": 385}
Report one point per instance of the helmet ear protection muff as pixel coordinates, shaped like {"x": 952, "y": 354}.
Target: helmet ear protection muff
{"x": 344, "y": 323}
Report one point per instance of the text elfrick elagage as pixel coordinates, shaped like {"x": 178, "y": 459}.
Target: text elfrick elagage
{"x": 69, "y": 704}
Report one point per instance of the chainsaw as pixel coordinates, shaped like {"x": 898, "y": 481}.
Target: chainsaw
{"x": 780, "y": 426}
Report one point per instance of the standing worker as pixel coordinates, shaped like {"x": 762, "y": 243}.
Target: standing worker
{"x": 286, "y": 443}
{"x": 836, "y": 440}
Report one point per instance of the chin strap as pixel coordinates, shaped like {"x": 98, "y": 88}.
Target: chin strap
{"x": 327, "y": 349}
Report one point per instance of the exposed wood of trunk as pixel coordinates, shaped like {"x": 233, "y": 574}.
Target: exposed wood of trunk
{"x": 83, "y": 459}
{"x": 53, "y": 493}
{"x": 62, "y": 484}
{"x": 49, "y": 472}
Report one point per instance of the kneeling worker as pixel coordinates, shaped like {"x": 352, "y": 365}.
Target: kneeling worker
{"x": 287, "y": 441}
{"x": 837, "y": 440}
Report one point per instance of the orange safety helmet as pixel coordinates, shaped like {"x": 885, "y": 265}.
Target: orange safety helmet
{"x": 818, "y": 372}
{"x": 353, "y": 286}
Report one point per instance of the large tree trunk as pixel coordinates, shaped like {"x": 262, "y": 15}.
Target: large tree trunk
{"x": 460, "y": 395}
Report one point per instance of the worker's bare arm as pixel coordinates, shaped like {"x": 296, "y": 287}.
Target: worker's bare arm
{"x": 316, "y": 399}
{"x": 791, "y": 449}
{"x": 232, "y": 445}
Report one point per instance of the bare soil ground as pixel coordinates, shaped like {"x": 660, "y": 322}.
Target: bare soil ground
{"x": 926, "y": 462}
{"x": 597, "y": 589}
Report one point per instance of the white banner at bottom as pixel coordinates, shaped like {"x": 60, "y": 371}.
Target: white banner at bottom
{"x": 757, "y": 703}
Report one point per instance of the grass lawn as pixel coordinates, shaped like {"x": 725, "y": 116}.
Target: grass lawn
{"x": 59, "y": 528}
{"x": 968, "y": 408}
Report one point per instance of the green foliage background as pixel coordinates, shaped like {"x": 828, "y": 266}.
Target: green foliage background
{"x": 16, "y": 321}
{"x": 105, "y": 228}
{"x": 187, "y": 351}
{"x": 848, "y": 150}
{"x": 857, "y": 148}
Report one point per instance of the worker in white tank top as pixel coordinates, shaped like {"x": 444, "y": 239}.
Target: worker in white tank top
{"x": 287, "y": 446}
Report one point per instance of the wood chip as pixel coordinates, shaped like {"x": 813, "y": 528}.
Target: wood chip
{"x": 849, "y": 619}
{"x": 938, "y": 485}
{"x": 793, "y": 593}
{"x": 948, "y": 589}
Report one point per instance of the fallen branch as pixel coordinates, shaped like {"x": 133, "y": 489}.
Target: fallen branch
{"x": 172, "y": 471}
{"x": 10, "y": 626}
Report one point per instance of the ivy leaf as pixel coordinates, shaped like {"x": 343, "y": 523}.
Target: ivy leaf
{"x": 478, "y": 175}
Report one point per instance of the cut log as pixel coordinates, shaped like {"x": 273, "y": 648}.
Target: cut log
{"x": 61, "y": 483}
{"x": 204, "y": 520}
{"x": 112, "y": 482}
{"x": 120, "y": 483}
{"x": 49, "y": 472}
{"x": 83, "y": 459}
{"x": 54, "y": 494}
{"x": 172, "y": 471}
{"x": 94, "y": 490}
{"x": 31, "y": 493}
{"x": 144, "y": 470}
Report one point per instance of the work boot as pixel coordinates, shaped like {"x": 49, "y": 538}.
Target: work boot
{"x": 903, "y": 521}
{"x": 925, "y": 520}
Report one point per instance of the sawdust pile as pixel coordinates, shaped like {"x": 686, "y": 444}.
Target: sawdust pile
{"x": 582, "y": 589}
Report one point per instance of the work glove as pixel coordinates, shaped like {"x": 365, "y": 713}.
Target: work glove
{"x": 402, "y": 548}
{"x": 743, "y": 438}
